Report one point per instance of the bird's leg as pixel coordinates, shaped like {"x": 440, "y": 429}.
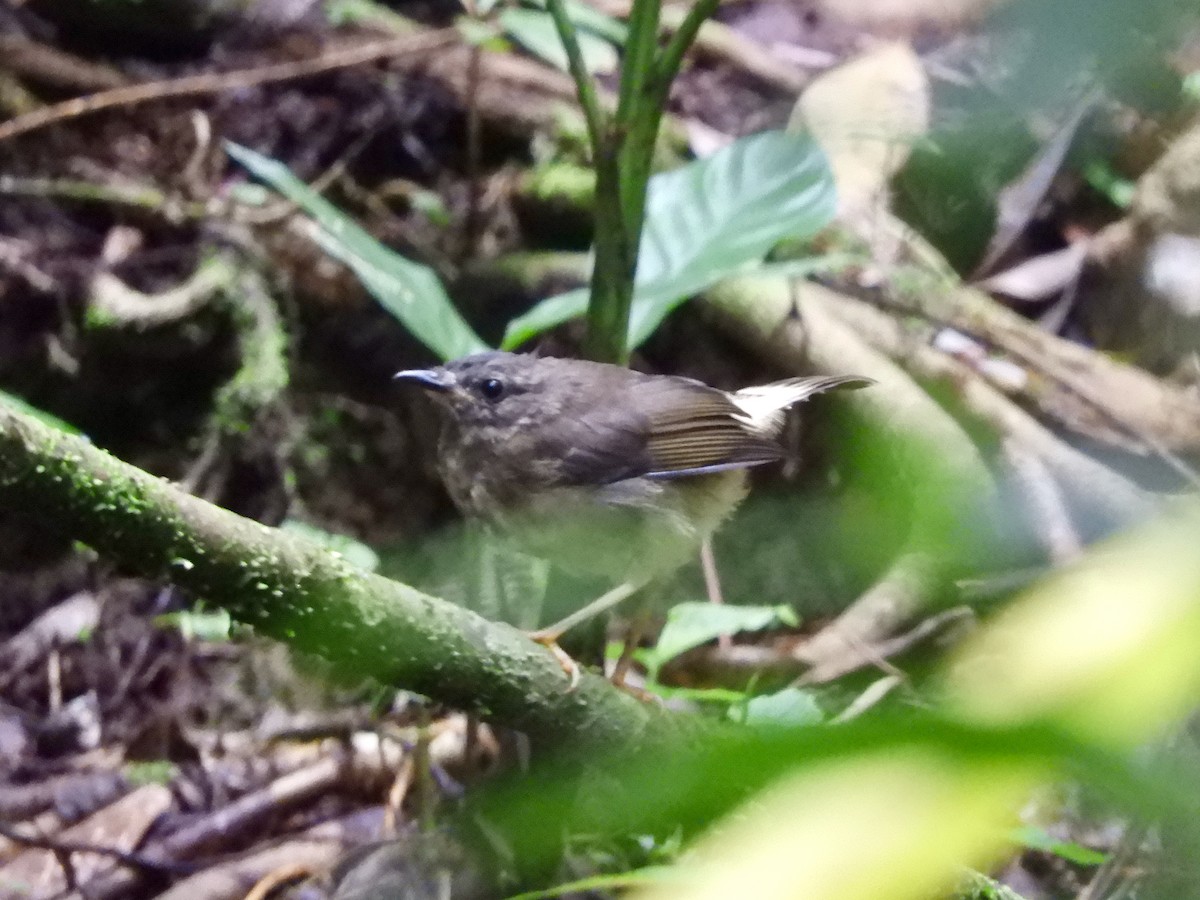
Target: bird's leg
{"x": 603, "y": 603}
{"x": 708, "y": 565}
{"x": 712, "y": 582}
{"x": 548, "y": 636}
{"x": 637, "y": 627}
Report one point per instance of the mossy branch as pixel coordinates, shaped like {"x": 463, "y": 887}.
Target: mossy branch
{"x": 292, "y": 589}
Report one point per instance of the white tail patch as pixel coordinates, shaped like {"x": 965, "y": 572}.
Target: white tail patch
{"x": 763, "y": 406}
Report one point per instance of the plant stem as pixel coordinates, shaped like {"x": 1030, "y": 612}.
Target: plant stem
{"x": 672, "y": 56}
{"x": 593, "y": 112}
{"x": 623, "y": 149}
{"x": 622, "y": 172}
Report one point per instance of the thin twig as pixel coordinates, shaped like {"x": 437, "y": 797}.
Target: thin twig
{"x": 61, "y": 847}
{"x": 194, "y": 85}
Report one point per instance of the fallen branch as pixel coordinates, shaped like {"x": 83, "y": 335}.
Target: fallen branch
{"x": 114, "y": 303}
{"x": 1045, "y": 505}
{"x": 292, "y": 589}
{"x": 858, "y": 636}
{"x": 1087, "y": 392}
{"x": 1097, "y": 489}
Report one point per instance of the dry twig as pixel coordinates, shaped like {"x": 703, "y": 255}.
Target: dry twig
{"x": 408, "y": 46}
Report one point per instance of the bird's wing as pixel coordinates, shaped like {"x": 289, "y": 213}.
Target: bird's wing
{"x": 661, "y": 428}
{"x": 694, "y": 429}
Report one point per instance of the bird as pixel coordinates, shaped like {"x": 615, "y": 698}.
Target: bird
{"x": 598, "y": 468}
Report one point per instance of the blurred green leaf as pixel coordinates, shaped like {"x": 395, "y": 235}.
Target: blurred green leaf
{"x": 547, "y": 314}
{"x": 639, "y": 878}
{"x": 1191, "y": 85}
{"x": 691, "y": 782}
{"x": 1101, "y": 176}
{"x": 355, "y": 552}
{"x": 791, "y": 706}
{"x": 873, "y": 826}
{"x": 708, "y": 220}
{"x": 1037, "y": 839}
{"x": 204, "y": 625}
{"x": 431, "y": 205}
{"x": 590, "y": 19}
{"x": 893, "y": 802}
{"x": 42, "y": 416}
{"x": 366, "y": 12}
{"x": 692, "y": 624}
{"x": 1106, "y": 648}
{"x": 482, "y": 34}
{"x": 409, "y": 291}
{"x": 154, "y": 771}
{"x": 534, "y": 30}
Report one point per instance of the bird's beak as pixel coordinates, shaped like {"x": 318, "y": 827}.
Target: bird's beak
{"x": 431, "y": 379}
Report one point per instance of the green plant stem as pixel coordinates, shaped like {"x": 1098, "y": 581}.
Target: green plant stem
{"x": 684, "y": 36}
{"x": 638, "y": 64}
{"x": 621, "y": 189}
{"x": 616, "y": 257}
{"x": 290, "y": 588}
{"x": 624, "y": 154}
{"x": 589, "y": 99}
{"x": 615, "y": 267}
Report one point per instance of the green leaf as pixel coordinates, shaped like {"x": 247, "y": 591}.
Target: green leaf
{"x": 692, "y": 624}
{"x": 691, "y": 782}
{"x": 587, "y": 18}
{"x": 1101, "y": 176}
{"x": 154, "y": 771}
{"x": 1191, "y": 86}
{"x": 647, "y": 877}
{"x": 706, "y": 221}
{"x": 366, "y": 12}
{"x": 546, "y": 315}
{"x": 409, "y": 291}
{"x": 1037, "y": 839}
{"x": 42, "y": 416}
{"x": 791, "y": 706}
{"x": 205, "y": 625}
{"x": 535, "y": 31}
{"x": 355, "y": 552}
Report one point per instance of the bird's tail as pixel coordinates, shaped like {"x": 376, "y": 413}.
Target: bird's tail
{"x": 764, "y": 405}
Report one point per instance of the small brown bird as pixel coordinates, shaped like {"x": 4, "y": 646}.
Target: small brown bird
{"x": 600, "y": 469}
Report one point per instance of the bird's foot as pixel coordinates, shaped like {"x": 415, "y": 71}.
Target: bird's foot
{"x": 548, "y": 638}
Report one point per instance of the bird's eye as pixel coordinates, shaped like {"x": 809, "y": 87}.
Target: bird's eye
{"x": 492, "y": 388}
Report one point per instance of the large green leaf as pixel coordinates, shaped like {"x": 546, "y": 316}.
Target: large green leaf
{"x": 587, "y": 18}
{"x": 409, "y": 291}
{"x": 692, "y": 624}
{"x": 535, "y": 31}
{"x": 706, "y": 221}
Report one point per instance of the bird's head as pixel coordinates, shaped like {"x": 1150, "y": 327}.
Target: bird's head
{"x": 487, "y": 390}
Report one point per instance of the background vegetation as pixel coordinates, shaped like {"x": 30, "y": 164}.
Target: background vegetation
{"x": 959, "y": 653}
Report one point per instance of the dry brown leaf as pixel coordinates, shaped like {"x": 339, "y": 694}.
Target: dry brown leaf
{"x": 865, "y": 115}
